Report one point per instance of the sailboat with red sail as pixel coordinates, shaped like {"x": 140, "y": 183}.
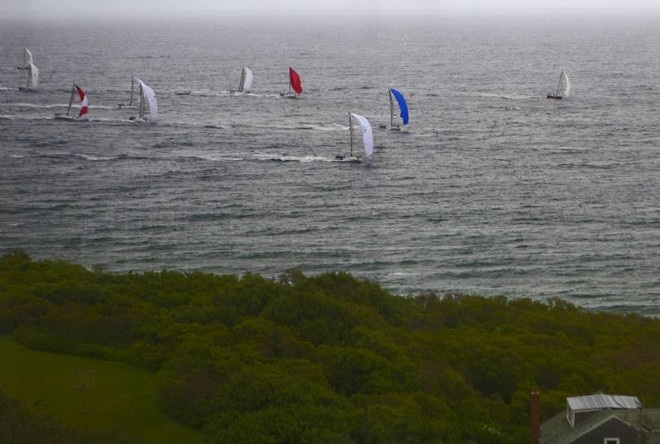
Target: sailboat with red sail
{"x": 295, "y": 85}
{"x": 84, "y": 106}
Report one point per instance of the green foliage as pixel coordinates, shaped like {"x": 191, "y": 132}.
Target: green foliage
{"x": 330, "y": 358}
{"x": 19, "y": 426}
{"x": 59, "y": 398}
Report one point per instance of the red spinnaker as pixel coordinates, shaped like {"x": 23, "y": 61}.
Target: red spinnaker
{"x": 295, "y": 81}
{"x": 83, "y": 101}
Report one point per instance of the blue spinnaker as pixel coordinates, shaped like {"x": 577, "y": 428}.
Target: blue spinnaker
{"x": 402, "y": 104}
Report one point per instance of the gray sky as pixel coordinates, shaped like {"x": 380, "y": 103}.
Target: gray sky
{"x": 105, "y": 8}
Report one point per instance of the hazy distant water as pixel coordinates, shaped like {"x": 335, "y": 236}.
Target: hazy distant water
{"x": 492, "y": 190}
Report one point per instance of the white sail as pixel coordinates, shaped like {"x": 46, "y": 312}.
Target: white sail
{"x": 564, "y": 87}
{"x": 147, "y": 99}
{"x": 33, "y": 77}
{"x": 27, "y": 57}
{"x": 246, "y": 80}
{"x": 367, "y": 134}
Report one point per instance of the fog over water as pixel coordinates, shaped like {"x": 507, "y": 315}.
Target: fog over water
{"x": 192, "y": 8}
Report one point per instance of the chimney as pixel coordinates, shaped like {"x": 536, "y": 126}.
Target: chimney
{"x": 536, "y": 416}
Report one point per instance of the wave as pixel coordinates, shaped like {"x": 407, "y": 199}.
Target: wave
{"x": 288, "y": 158}
{"x": 284, "y": 157}
{"x": 18, "y": 117}
{"x": 87, "y": 157}
{"x": 501, "y": 96}
{"x": 201, "y": 93}
{"x": 253, "y": 94}
{"x": 95, "y": 158}
{"x": 299, "y": 126}
{"x": 35, "y": 105}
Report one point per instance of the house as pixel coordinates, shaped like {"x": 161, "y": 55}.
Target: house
{"x": 598, "y": 419}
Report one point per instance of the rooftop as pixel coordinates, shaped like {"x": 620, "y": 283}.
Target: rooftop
{"x": 602, "y": 401}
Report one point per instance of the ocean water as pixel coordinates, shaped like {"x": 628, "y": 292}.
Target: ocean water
{"x": 491, "y": 189}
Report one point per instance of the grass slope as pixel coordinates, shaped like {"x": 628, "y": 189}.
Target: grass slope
{"x": 88, "y": 394}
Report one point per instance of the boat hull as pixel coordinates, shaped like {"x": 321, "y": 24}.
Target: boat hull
{"x": 72, "y": 118}
{"x": 552, "y": 96}
{"x": 348, "y": 158}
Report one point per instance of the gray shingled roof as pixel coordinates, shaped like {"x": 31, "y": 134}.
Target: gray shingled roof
{"x": 602, "y": 401}
{"x": 557, "y": 430}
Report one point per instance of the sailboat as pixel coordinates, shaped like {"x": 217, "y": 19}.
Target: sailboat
{"x": 148, "y": 106}
{"x": 295, "y": 86}
{"x": 246, "y": 80}
{"x": 82, "y": 114}
{"x": 563, "y": 88}
{"x": 403, "y": 107}
{"x": 27, "y": 59}
{"x": 32, "y": 78}
{"x": 367, "y": 139}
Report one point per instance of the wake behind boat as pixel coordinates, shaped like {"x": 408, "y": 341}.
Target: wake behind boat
{"x": 83, "y": 113}
{"x": 563, "y": 87}
{"x": 367, "y": 139}
{"x": 295, "y": 86}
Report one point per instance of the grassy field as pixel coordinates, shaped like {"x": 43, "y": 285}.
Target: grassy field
{"x": 88, "y": 394}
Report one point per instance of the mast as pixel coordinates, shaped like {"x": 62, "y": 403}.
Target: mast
{"x": 350, "y": 132}
{"x": 130, "y": 101}
{"x": 389, "y": 93}
{"x": 73, "y": 91}
{"x": 240, "y": 85}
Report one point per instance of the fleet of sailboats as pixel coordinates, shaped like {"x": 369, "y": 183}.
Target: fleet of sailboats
{"x": 84, "y": 105}
{"x": 563, "y": 87}
{"x": 148, "y": 105}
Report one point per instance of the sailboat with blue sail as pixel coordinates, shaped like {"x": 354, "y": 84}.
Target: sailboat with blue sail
{"x": 396, "y": 95}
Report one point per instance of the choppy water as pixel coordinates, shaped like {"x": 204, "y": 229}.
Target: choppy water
{"x": 493, "y": 189}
